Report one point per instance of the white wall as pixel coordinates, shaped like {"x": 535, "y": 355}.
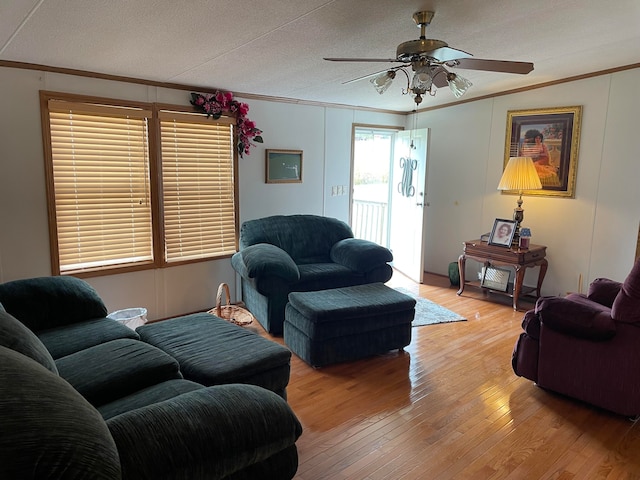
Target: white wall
{"x": 323, "y": 134}
{"x": 592, "y": 235}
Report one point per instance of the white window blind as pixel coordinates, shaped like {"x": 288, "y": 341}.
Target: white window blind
{"x": 198, "y": 191}
{"x": 100, "y": 169}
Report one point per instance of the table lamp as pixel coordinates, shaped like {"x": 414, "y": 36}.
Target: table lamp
{"x": 520, "y": 174}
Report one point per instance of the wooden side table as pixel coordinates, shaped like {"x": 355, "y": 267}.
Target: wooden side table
{"x": 514, "y": 257}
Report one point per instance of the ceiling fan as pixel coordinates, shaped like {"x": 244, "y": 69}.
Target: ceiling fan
{"x": 428, "y": 59}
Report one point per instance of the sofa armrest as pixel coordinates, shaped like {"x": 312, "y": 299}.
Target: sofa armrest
{"x": 264, "y": 259}
{"x": 48, "y": 302}
{"x": 604, "y": 291}
{"x": 206, "y": 433}
{"x": 360, "y": 255}
{"x": 48, "y": 429}
{"x": 577, "y": 319}
{"x": 531, "y": 324}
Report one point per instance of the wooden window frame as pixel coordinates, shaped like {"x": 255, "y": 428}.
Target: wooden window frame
{"x": 154, "y": 140}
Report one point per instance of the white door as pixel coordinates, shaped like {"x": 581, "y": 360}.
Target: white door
{"x": 408, "y": 176}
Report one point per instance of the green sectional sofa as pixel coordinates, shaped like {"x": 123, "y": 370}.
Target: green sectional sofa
{"x": 83, "y": 397}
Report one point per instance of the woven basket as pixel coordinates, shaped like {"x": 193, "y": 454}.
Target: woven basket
{"x": 231, "y": 313}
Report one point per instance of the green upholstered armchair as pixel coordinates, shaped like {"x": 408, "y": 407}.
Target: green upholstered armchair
{"x": 300, "y": 253}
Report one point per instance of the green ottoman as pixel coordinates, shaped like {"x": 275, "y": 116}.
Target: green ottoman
{"x": 343, "y": 324}
{"x": 212, "y": 351}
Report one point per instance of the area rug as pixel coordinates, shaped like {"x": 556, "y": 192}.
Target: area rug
{"x": 430, "y": 313}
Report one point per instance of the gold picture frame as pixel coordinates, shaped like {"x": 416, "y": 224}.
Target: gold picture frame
{"x": 551, "y": 136}
{"x": 283, "y": 166}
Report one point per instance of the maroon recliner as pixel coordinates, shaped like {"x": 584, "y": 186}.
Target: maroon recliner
{"x": 586, "y": 346}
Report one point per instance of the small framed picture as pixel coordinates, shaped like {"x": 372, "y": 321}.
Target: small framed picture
{"x": 495, "y": 278}
{"x": 283, "y": 166}
{"x": 502, "y": 233}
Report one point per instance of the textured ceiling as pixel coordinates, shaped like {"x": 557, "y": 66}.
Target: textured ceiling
{"x": 276, "y": 48}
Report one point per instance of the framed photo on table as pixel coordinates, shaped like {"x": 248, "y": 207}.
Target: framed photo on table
{"x": 495, "y": 278}
{"x": 502, "y": 232}
{"x": 551, "y": 137}
{"x": 283, "y": 166}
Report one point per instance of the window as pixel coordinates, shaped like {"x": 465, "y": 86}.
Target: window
{"x": 198, "y": 190}
{"x": 106, "y": 211}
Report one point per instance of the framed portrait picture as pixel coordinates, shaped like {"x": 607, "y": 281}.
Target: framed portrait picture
{"x": 502, "y": 232}
{"x": 283, "y": 166}
{"x": 551, "y": 137}
{"x": 495, "y": 278}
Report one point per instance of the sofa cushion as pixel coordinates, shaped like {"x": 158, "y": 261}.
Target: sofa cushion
{"x": 323, "y": 276}
{"x": 16, "y": 336}
{"x": 48, "y": 429}
{"x": 603, "y": 291}
{"x": 47, "y": 302}
{"x": 68, "y": 339}
{"x": 220, "y": 430}
{"x": 362, "y": 301}
{"x": 147, "y": 396}
{"x": 626, "y": 306}
{"x": 212, "y": 351}
{"x": 115, "y": 369}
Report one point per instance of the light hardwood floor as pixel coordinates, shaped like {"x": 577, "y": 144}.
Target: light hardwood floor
{"x": 450, "y": 407}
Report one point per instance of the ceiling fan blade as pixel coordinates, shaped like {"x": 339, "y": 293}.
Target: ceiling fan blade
{"x": 447, "y": 54}
{"x": 364, "y": 77}
{"x": 439, "y": 77}
{"x": 378, "y": 60}
{"x": 493, "y": 65}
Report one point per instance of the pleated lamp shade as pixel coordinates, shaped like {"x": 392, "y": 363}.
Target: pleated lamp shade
{"x": 520, "y": 174}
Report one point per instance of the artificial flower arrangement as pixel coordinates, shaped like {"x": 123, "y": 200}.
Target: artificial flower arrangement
{"x": 219, "y": 103}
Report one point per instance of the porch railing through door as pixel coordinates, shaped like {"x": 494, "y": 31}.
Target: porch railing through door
{"x": 369, "y": 221}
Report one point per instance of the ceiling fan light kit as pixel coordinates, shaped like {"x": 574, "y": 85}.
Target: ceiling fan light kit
{"x": 383, "y": 81}
{"x": 428, "y": 58}
{"x": 458, "y": 85}
{"x": 422, "y": 79}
